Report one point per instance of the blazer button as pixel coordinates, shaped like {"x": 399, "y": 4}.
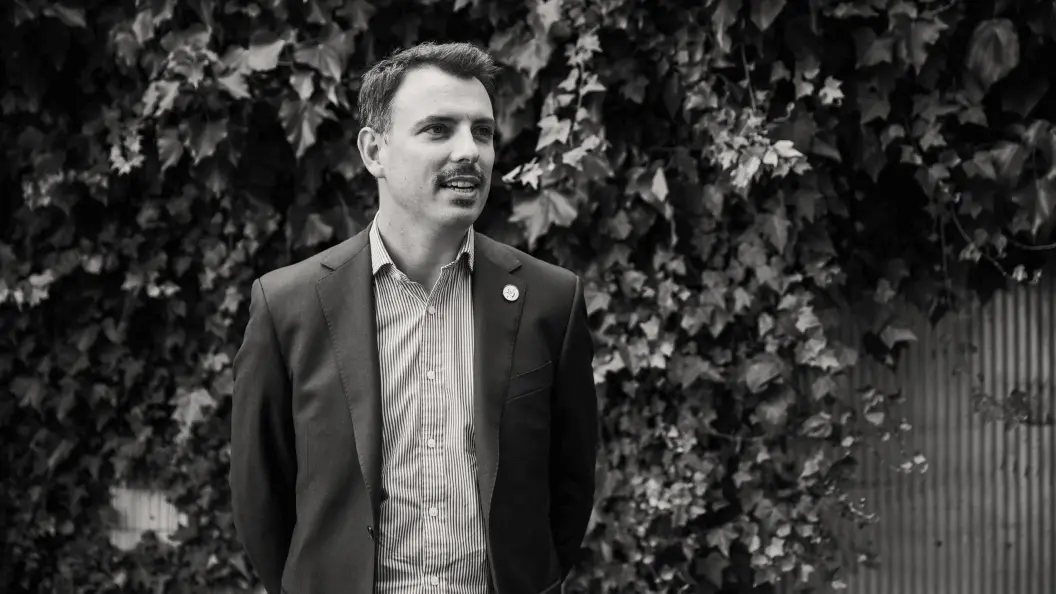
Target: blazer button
{"x": 370, "y": 531}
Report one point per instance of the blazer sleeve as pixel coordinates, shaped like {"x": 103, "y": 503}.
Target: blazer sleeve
{"x": 574, "y": 436}
{"x": 263, "y": 456}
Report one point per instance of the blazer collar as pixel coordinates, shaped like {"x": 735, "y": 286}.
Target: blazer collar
{"x": 340, "y": 254}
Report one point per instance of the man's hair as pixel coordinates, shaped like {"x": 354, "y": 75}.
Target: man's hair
{"x": 380, "y": 83}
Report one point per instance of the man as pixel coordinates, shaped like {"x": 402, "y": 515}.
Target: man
{"x": 414, "y": 408}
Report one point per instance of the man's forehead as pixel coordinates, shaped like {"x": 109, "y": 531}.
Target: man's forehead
{"x": 430, "y": 91}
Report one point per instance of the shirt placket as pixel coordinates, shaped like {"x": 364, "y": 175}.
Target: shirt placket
{"x": 432, "y": 409}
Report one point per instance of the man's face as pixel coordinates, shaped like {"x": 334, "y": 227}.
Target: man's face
{"x": 436, "y": 163}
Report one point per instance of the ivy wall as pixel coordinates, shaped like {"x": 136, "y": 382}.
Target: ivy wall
{"x": 732, "y": 179}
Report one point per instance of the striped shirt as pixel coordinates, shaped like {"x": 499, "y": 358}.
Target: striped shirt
{"x": 431, "y": 535}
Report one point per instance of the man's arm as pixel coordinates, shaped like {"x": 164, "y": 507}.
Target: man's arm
{"x": 263, "y": 454}
{"x": 574, "y": 436}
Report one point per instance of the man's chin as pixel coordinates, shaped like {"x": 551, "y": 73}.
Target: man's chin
{"x": 468, "y": 203}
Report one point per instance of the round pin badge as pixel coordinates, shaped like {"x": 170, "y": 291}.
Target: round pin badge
{"x": 510, "y": 293}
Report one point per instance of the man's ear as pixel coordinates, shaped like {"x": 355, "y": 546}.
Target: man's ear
{"x": 370, "y": 145}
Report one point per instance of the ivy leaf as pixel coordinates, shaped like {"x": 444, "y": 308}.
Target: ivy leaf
{"x": 818, "y": 426}
{"x": 659, "y": 185}
{"x": 597, "y": 300}
{"x": 823, "y": 386}
{"x": 549, "y": 12}
{"x": 687, "y": 369}
{"x": 774, "y": 411}
{"x": 1037, "y": 199}
{"x": 806, "y": 319}
{"x": 742, "y": 300}
{"x": 70, "y": 16}
{"x": 722, "y": 538}
{"x": 873, "y": 107}
{"x": 553, "y": 129}
{"x": 235, "y": 85}
{"x": 809, "y": 351}
{"x": 812, "y": 465}
{"x": 59, "y": 454}
{"x": 205, "y": 139}
{"x": 713, "y": 200}
{"x": 766, "y": 324}
{"x": 300, "y": 119}
{"x": 263, "y": 54}
{"x": 302, "y": 84}
{"x": 1009, "y": 159}
{"x": 723, "y": 19}
{"x": 776, "y": 229}
{"x": 873, "y": 50}
{"x": 204, "y": 9}
{"x": 327, "y": 58}
{"x": 993, "y": 51}
{"x": 521, "y": 47}
{"x": 160, "y": 97}
{"x": 892, "y": 335}
{"x": 825, "y": 148}
{"x": 315, "y": 231}
{"x": 548, "y": 208}
{"x": 358, "y": 13}
{"x": 761, "y": 371}
{"x": 1004, "y": 162}
{"x": 29, "y": 390}
{"x": 875, "y": 417}
{"x": 170, "y": 148}
{"x": 786, "y": 149}
{"x": 712, "y": 566}
{"x": 765, "y": 11}
{"x": 922, "y": 34}
{"x": 191, "y": 407}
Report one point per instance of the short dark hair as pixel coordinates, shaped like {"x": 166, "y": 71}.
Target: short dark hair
{"x": 380, "y": 83}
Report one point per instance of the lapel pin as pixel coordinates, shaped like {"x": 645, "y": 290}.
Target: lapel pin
{"x": 510, "y": 293}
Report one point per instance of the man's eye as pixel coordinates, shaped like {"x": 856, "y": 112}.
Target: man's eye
{"x": 435, "y": 129}
{"x": 485, "y": 131}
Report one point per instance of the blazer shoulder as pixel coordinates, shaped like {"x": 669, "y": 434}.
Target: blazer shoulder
{"x": 304, "y": 274}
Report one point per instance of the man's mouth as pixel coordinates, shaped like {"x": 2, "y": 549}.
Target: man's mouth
{"x": 462, "y": 184}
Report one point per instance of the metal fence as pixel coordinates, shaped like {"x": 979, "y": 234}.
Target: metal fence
{"x": 982, "y": 518}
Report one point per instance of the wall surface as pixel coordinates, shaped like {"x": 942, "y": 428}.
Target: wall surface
{"x": 982, "y": 518}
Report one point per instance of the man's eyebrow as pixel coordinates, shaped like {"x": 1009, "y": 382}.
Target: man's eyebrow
{"x": 446, "y": 118}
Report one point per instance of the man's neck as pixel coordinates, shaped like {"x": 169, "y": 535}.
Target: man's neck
{"x": 419, "y": 252}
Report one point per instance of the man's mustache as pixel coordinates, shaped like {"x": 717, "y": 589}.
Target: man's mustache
{"x": 475, "y": 172}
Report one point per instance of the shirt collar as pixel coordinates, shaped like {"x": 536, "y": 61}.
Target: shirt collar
{"x": 379, "y": 255}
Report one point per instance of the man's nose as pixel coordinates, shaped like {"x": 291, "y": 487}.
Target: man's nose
{"x": 465, "y": 147}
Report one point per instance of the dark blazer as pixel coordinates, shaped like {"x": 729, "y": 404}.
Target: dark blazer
{"x": 306, "y": 422}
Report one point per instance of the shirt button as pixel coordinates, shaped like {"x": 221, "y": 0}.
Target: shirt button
{"x": 430, "y": 374}
{"x": 431, "y": 443}
{"x": 432, "y": 513}
{"x": 434, "y": 581}
{"x": 431, "y": 310}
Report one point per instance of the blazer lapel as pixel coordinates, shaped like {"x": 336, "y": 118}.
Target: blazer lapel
{"x": 495, "y": 322}
{"x": 347, "y": 297}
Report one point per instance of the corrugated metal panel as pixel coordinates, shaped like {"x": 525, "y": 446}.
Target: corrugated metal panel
{"x": 139, "y": 511}
{"x": 982, "y": 519}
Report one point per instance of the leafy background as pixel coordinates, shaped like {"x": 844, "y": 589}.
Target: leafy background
{"x": 734, "y": 180}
